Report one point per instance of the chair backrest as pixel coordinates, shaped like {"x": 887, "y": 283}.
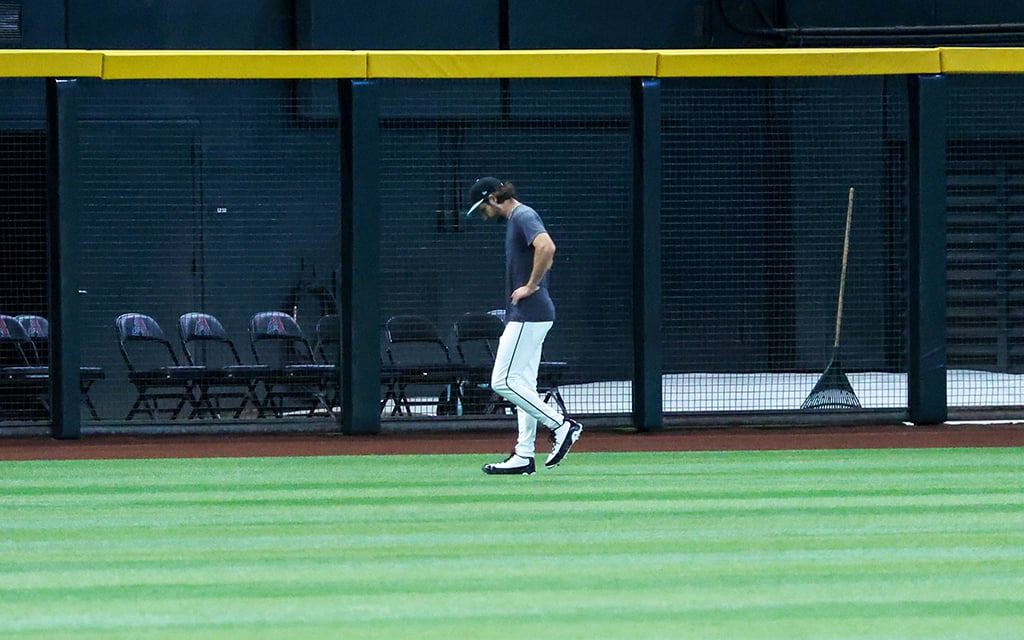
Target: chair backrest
{"x": 143, "y": 344}
{"x": 328, "y": 337}
{"x": 277, "y": 340}
{"x": 38, "y": 330}
{"x": 413, "y": 340}
{"x": 16, "y": 348}
{"x": 205, "y": 342}
{"x": 499, "y": 314}
{"x": 476, "y": 338}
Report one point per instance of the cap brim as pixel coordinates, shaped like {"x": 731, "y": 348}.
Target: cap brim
{"x": 476, "y": 206}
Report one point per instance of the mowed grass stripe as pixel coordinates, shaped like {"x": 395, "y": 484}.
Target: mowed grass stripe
{"x": 730, "y": 544}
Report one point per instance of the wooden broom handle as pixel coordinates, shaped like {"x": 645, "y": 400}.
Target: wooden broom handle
{"x": 842, "y": 273}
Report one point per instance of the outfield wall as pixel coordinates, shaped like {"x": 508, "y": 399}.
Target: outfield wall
{"x": 215, "y": 181}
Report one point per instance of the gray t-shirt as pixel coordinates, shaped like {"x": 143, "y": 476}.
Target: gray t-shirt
{"x": 523, "y": 226}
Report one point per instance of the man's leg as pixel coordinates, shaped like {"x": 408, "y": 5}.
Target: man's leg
{"x": 515, "y": 379}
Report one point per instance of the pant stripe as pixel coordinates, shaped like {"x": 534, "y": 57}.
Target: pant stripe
{"x": 542, "y": 413}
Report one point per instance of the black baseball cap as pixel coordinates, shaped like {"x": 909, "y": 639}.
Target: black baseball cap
{"x": 480, "y": 190}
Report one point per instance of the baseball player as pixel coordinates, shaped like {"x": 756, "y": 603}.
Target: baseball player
{"x": 529, "y": 315}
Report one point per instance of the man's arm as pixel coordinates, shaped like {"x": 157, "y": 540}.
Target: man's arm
{"x": 543, "y": 258}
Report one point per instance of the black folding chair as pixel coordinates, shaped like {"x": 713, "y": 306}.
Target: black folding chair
{"x": 420, "y": 361}
{"x": 24, "y": 384}
{"x": 38, "y": 330}
{"x": 549, "y": 375}
{"x": 294, "y": 380}
{"x": 154, "y": 369}
{"x": 328, "y": 344}
{"x": 476, "y": 343}
{"x": 224, "y": 376}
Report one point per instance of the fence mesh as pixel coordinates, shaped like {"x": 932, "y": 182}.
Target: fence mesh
{"x": 205, "y": 196}
{"x": 566, "y": 145}
{"x": 23, "y": 241}
{"x": 985, "y": 242}
{"x": 222, "y": 197}
{"x": 756, "y": 180}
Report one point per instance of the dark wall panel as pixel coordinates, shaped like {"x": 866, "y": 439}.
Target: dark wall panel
{"x": 146, "y": 24}
{"x": 396, "y": 24}
{"x": 883, "y": 13}
{"x": 866, "y": 13}
{"x": 42, "y": 26}
{"x": 605, "y": 24}
{"x": 979, "y": 12}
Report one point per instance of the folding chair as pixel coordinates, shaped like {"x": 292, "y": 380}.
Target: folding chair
{"x": 294, "y": 379}
{"x": 476, "y": 343}
{"x": 328, "y": 342}
{"x": 224, "y": 376}
{"x": 420, "y": 360}
{"x": 24, "y": 384}
{"x": 154, "y": 369}
{"x": 549, "y": 375}
{"x": 38, "y": 330}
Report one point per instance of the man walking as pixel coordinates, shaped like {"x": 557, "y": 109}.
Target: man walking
{"x": 529, "y": 315}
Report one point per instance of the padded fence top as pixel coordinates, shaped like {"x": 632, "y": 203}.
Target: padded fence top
{"x": 138, "y": 65}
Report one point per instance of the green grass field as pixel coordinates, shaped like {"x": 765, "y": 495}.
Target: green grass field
{"x": 795, "y": 544}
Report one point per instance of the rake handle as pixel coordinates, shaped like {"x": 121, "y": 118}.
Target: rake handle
{"x": 842, "y": 272}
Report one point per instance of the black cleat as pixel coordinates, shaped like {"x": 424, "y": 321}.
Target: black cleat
{"x": 565, "y": 436}
{"x": 515, "y": 464}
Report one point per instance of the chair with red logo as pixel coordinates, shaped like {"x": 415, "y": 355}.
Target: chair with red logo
{"x": 23, "y": 383}
{"x": 38, "y": 330}
{"x": 295, "y": 381}
{"x": 225, "y": 378}
{"x": 164, "y": 385}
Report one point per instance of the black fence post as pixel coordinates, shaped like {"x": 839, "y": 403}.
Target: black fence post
{"x": 359, "y": 299}
{"x": 926, "y": 315}
{"x": 62, "y": 252}
{"x": 647, "y": 363}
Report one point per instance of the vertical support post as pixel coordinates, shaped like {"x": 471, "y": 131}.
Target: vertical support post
{"x": 359, "y": 134}
{"x": 62, "y": 222}
{"x": 647, "y": 283}
{"x": 926, "y": 231}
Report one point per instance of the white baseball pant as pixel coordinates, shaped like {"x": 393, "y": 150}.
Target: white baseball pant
{"x": 515, "y": 378}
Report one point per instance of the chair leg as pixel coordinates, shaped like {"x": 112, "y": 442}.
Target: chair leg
{"x": 141, "y": 404}
{"x": 554, "y": 393}
{"x": 87, "y": 401}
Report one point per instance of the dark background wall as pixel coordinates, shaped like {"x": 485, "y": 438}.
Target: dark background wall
{"x": 492, "y": 24}
{"x": 237, "y": 156}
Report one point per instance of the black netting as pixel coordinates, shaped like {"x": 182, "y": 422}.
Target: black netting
{"x": 985, "y": 242}
{"x": 23, "y": 242}
{"x": 566, "y": 145}
{"x": 756, "y": 181}
{"x": 223, "y": 198}
{"x": 206, "y": 196}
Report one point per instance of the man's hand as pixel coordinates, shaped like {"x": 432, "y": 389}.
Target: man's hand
{"x": 524, "y": 291}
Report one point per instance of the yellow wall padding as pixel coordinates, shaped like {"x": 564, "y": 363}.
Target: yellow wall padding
{"x": 50, "y": 63}
{"x": 705, "y": 63}
{"x": 570, "y": 63}
{"x": 128, "y": 65}
{"x": 982, "y": 59}
{"x": 575, "y": 63}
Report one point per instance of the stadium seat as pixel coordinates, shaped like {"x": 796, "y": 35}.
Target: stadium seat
{"x": 295, "y": 380}
{"x": 328, "y": 342}
{"x": 420, "y": 362}
{"x": 23, "y": 383}
{"x": 37, "y": 328}
{"x": 476, "y": 343}
{"x": 154, "y": 369}
{"x": 224, "y": 376}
